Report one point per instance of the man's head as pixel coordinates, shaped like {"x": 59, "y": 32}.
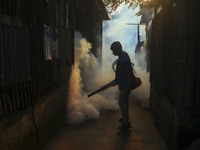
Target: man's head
{"x": 116, "y": 48}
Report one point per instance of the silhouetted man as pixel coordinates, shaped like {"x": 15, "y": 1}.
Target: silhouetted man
{"x": 123, "y": 80}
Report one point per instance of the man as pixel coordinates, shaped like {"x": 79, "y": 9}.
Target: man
{"x": 122, "y": 78}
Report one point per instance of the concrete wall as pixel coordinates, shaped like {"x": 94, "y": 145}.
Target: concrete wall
{"x": 31, "y": 129}
{"x": 164, "y": 113}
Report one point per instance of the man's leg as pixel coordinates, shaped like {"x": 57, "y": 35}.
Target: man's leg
{"x": 123, "y": 104}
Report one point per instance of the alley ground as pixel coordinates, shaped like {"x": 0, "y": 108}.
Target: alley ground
{"x": 102, "y": 134}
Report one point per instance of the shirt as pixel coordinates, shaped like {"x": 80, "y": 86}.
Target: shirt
{"x": 121, "y": 71}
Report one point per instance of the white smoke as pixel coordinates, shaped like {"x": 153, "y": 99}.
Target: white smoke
{"x": 86, "y": 76}
{"x": 117, "y": 29}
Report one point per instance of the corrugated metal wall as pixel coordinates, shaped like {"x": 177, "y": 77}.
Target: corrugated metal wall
{"x": 32, "y": 51}
{"x": 175, "y": 100}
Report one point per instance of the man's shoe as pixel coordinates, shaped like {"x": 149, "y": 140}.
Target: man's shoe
{"x": 124, "y": 126}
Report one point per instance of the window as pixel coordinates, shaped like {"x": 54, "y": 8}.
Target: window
{"x": 51, "y": 45}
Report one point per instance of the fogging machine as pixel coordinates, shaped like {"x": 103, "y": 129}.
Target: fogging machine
{"x": 111, "y": 83}
{"x": 135, "y": 82}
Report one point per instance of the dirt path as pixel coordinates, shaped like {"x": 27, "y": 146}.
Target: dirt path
{"x": 102, "y": 134}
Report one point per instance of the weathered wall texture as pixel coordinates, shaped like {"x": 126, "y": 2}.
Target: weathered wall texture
{"x": 174, "y": 78}
{"x": 37, "y": 53}
{"x": 32, "y": 128}
{"x": 36, "y": 58}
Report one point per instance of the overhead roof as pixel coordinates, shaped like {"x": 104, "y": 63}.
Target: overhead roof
{"x": 102, "y": 10}
{"x": 96, "y": 6}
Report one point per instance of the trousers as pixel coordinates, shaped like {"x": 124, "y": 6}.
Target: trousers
{"x": 124, "y": 105}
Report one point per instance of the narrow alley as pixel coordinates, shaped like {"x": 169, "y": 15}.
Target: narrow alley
{"x": 53, "y": 53}
{"x": 102, "y": 134}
